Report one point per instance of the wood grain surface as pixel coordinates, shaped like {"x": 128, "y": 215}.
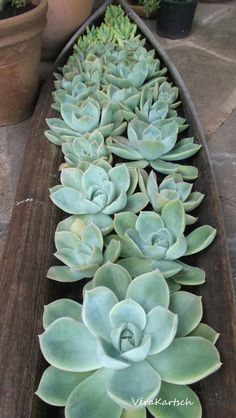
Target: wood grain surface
{"x": 29, "y": 253}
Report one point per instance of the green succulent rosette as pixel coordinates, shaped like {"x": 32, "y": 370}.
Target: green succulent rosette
{"x": 156, "y": 144}
{"x": 130, "y": 340}
{"x": 173, "y": 187}
{"x": 84, "y": 119}
{"x": 98, "y": 189}
{"x": 80, "y": 246}
{"x": 91, "y": 149}
{"x": 151, "y": 240}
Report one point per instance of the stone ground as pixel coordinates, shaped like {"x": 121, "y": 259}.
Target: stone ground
{"x": 207, "y": 62}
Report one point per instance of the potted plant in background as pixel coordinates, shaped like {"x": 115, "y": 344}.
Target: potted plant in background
{"x": 175, "y": 18}
{"x": 21, "y": 26}
{"x": 145, "y": 8}
{"x": 64, "y": 17}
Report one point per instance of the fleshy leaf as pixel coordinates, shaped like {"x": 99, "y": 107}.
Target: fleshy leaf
{"x": 127, "y": 386}
{"x": 56, "y": 385}
{"x": 200, "y": 239}
{"x": 189, "y": 275}
{"x": 61, "y": 308}
{"x": 97, "y": 305}
{"x": 68, "y": 345}
{"x": 176, "y": 401}
{"x": 205, "y": 331}
{"x": 188, "y": 307}
{"x": 90, "y": 399}
{"x": 162, "y": 326}
{"x": 187, "y": 360}
{"x": 149, "y": 290}
{"x": 114, "y": 277}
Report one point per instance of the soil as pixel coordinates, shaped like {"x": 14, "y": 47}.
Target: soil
{"x": 11, "y": 12}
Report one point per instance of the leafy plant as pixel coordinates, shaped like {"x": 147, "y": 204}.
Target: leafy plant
{"x": 127, "y": 338}
{"x": 11, "y": 3}
{"x": 79, "y": 244}
{"x": 156, "y": 144}
{"x": 173, "y": 187}
{"x": 98, "y": 189}
{"x": 149, "y": 6}
{"x": 150, "y": 236}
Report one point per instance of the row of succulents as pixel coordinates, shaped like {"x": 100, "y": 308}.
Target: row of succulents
{"x": 138, "y": 339}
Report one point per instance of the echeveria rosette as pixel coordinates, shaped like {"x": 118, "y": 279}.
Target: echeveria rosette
{"x": 97, "y": 190}
{"x": 91, "y": 149}
{"x": 136, "y": 74}
{"x": 129, "y": 340}
{"x": 156, "y": 144}
{"x": 173, "y": 187}
{"x": 79, "y": 244}
{"x": 151, "y": 240}
{"x": 83, "y": 119}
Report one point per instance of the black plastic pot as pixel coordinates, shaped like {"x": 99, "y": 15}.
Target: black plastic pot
{"x": 175, "y": 18}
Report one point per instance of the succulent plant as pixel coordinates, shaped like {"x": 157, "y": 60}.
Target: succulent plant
{"x": 156, "y": 144}
{"x": 83, "y": 149}
{"x": 128, "y": 341}
{"x": 84, "y": 119}
{"x": 173, "y": 187}
{"x": 98, "y": 190}
{"x": 79, "y": 244}
{"x": 150, "y": 240}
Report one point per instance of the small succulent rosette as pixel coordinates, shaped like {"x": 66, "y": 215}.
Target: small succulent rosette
{"x": 172, "y": 187}
{"x": 79, "y": 242}
{"x": 151, "y": 240}
{"x": 129, "y": 344}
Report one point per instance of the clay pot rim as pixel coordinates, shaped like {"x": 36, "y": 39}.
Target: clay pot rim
{"x": 26, "y": 17}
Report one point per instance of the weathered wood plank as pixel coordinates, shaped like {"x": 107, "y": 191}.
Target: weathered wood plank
{"x": 29, "y": 253}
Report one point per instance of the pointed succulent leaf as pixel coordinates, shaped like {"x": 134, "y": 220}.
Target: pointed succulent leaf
{"x": 56, "y": 385}
{"x": 68, "y": 345}
{"x": 187, "y": 360}
{"x": 175, "y": 401}
{"x": 189, "y": 275}
{"x": 162, "y": 326}
{"x": 127, "y": 386}
{"x": 200, "y": 239}
{"x": 61, "y": 308}
{"x": 96, "y": 319}
{"x": 64, "y": 274}
{"x": 205, "y": 331}
{"x": 149, "y": 290}
{"x": 114, "y": 277}
{"x": 112, "y": 251}
{"x": 188, "y": 307}
{"x": 90, "y": 398}
{"x": 174, "y": 217}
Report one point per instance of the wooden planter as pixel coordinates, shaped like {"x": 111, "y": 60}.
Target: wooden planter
{"x": 29, "y": 254}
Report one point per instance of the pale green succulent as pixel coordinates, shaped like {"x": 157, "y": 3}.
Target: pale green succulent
{"x": 91, "y": 149}
{"x": 151, "y": 240}
{"x": 156, "y": 144}
{"x": 85, "y": 118}
{"x": 130, "y": 340}
{"x": 127, "y": 97}
{"x": 171, "y": 188}
{"x": 137, "y": 74}
{"x": 98, "y": 189}
{"x": 79, "y": 244}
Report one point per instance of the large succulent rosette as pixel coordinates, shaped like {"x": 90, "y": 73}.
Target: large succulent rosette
{"x": 130, "y": 340}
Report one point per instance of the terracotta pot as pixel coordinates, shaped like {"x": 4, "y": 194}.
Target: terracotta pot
{"x": 20, "y": 46}
{"x": 64, "y": 17}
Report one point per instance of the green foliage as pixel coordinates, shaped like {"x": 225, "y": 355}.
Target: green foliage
{"x": 12, "y": 3}
{"x": 149, "y": 5}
